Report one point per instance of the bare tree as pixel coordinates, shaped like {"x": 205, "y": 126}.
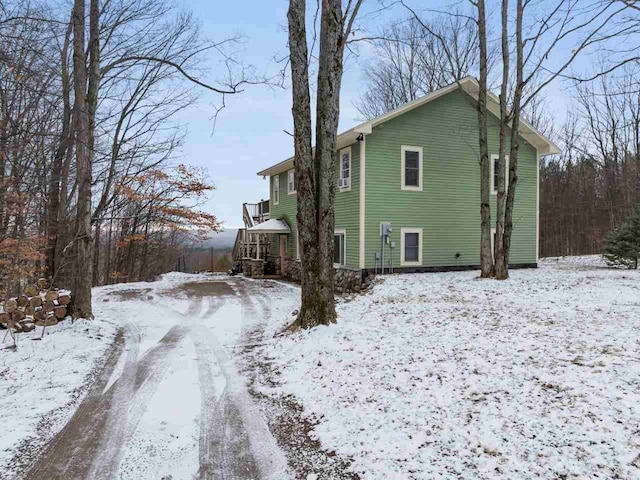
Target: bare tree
{"x": 315, "y": 169}
{"x": 486, "y": 259}
{"x": 548, "y": 32}
{"x": 589, "y": 189}
{"x": 85, "y": 85}
{"x": 88, "y": 102}
{"x": 416, "y": 56}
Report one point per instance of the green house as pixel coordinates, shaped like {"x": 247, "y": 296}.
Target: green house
{"x": 408, "y": 189}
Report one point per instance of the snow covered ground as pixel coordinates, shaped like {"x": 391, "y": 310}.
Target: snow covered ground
{"x": 168, "y": 402}
{"x": 42, "y": 382}
{"x": 428, "y": 376}
{"x": 448, "y": 376}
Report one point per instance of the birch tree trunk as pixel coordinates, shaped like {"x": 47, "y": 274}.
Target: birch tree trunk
{"x": 486, "y": 258}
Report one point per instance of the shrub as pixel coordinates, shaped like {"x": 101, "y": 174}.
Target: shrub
{"x": 622, "y": 247}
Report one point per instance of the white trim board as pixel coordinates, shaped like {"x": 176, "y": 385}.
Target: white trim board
{"x": 494, "y": 157}
{"x": 343, "y": 232}
{"x": 404, "y": 230}
{"x": 276, "y": 187}
{"x": 403, "y": 150}
{"x": 363, "y": 167}
{"x": 342, "y": 152}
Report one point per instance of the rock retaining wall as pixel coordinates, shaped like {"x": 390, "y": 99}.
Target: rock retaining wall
{"x": 347, "y": 280}
{"x": 292, "y": 270}
{"x": 257, "y": 268}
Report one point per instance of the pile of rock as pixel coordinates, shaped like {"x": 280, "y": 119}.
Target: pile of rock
{"x": 350, "y": 281}
{"x": 38, "y": 306}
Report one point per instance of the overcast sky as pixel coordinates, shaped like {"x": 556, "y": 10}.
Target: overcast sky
{"x": 249, "y": 132}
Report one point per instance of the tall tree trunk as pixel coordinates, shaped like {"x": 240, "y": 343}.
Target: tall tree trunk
{"x": 486, "y": 258}
{"x": 498, "y": 247}
{"x": 515, "y": 140}
{"x": 82, "y": 271}
{"x": 131, "y": 248}
{"x": 54, "y": 207}
{"x": 316, "y": 171}
{"x": 142, "y": 273}
{"x": 305, "y": 171}
{"x": 96, "y": 255}
{"x": 107, "y": 268}
{"x": 4, "y": 157}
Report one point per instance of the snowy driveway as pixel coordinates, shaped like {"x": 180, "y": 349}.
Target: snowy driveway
{"x": 169, "y": 403}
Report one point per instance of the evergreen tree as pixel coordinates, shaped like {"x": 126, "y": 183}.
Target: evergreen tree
{"x": 622, "y": 247}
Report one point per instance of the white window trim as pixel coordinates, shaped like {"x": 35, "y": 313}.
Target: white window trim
{"x": 276, "y": 187}
{"x": 343, "y": 232}
{"x": 297, "y": 245}
{"x": 494, "y": 188}
{"x": 291, "y": 192}
{"x": 409, "y": 148}
{"x": 345, "y": 189}
{"x": 404, "y": 230}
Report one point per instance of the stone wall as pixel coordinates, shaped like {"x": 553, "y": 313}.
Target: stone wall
{"x": 347, "y": 280}
{"x": 257, "y": 268}
{"x": 292, "y": 270}
{"x": 246, "y": 266}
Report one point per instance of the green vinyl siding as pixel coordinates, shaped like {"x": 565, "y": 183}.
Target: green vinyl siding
{"x": 285, "y": 210}
{"x": 448, "y": 207}
{"x": 347, "y": 212}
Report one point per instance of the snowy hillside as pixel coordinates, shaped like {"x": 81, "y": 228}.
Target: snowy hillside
{"x": 448, "y": 376}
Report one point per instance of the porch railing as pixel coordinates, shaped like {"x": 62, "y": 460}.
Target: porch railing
{"x": 256, "y": 212}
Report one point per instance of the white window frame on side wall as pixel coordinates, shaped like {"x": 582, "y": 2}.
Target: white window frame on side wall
{"x": 297, "y": 244}
{"x": 343, "y": 232}
{"x": 494, "y": 187}
{"x": 291, "y": 175}
{"x": 403, "y": 150}
{"x": 341, "y": 177}
{"x": 276, "y": 189}
{"x": 404, "y": 230}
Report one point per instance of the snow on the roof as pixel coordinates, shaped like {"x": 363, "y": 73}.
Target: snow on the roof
{"x": 271, "y": 226}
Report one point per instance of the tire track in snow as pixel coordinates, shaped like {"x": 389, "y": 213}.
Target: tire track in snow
{"x": 108, "y": 456}
{"x": 212, "y": 454}
{"x": 91, "y": 443}
{"x": 70, "y": 453}
{"x": 236, "y": 442}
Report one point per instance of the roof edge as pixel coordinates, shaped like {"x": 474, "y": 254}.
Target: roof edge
{"x": 468, "y": 84}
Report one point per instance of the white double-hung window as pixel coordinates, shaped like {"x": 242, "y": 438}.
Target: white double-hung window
{"x": 344, "y": 182}
{"x": 411, "y": 163}
{"x": 494, "y": 173}
{"x": 291, "y": 182}
{"x": 276, "y": 189}
{"x": 410, "y": 246}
